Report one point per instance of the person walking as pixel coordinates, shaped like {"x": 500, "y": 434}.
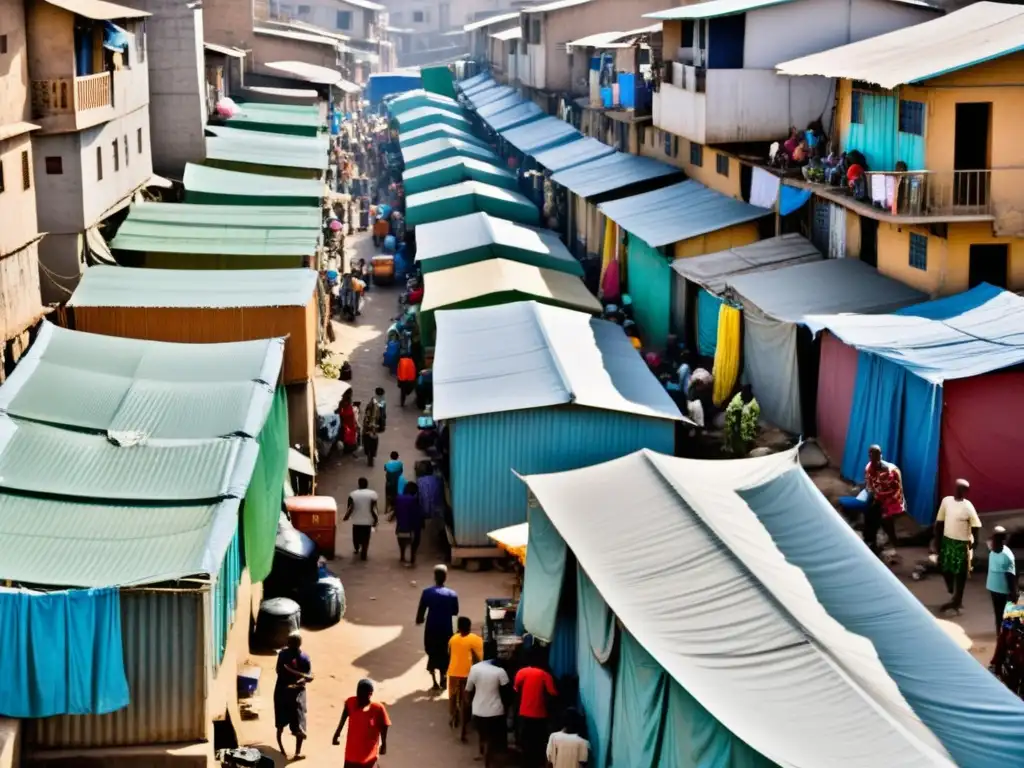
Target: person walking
{"x": 535, "y": 685}
{"x": 566, "y": 748}
{"x": 1002, "y": 575}
{"x": 368, "y": 725}
{"x": 406, "y": 378}
{"x": 438, "y": 606}
{"x": 486, "y": 689}
{"x": 371, "y": 422}
{"x": 382, "y": 408}
{"x": 362, "y": 510}
{"x": 293, "y": 672}
{"x": 464, "y": 650}
{"x": 884, "y": 483}
{"x": 408, "y": 524}
{"x": 957, "y": 529}
{"x": 394, "y": 469}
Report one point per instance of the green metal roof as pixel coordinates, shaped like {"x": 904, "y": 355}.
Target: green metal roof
{"x": 260, "y": 216}
{"x": 121, "y": 466}
{"x": 302, "y": 110}
{"x": 256, "y": 117}
{"x": 438, "y": 80}
{"x": 462, "y": 199}
{"x": 439, "y": 131}
{"x": 267, "y": 149}
{"x": 104, "y": 286}
{"x": 164, "y": 390}
{"x": 438, "y": 149}
{"x": 452, "y": 170}
{"x": 423, "y": 116}
{"x": 91, "y": 544}
{"x": 153, "y": 237}
{"x": 204, "y": 184}
{"x": 421, "y": 98}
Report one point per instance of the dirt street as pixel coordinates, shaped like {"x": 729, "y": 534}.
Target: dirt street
{"x": 378, "y": 637}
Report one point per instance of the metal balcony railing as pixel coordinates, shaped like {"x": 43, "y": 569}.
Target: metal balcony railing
{"x": 938, "y": 193}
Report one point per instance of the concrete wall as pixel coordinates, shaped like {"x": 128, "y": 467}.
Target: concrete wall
{"x": 17, "y": 204}
{"x": 707, "y": 174}
{"x": 325, "y": 14}
{"x": 51, "y": 32}
{"x": 14, "y": 99}
{"x": 228, "y": 22}
{"x": 60, "y": 266}
{"x": 267, "y": 48}
{"x": 177, "y": 84}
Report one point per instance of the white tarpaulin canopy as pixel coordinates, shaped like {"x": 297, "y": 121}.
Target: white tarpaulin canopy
{"x": 694, "y": 576}
{"x": 529, "y": 355}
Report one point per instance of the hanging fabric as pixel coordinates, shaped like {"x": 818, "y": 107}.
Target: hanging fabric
{"x": 545, "y": 571}
{"x": 638, "y": 710}
{"x": 62, "y": 653}
{"x": 709, "y": 307}
{"x": 727, "y": 354}
{"x": 262, "y": 506}
{"x": 596, "y": 620}
{"x": 597, "y": 683}
{"x": 764, "y": 188}
{"x": 792, "y": 199}
{"x": 836, "y": 232}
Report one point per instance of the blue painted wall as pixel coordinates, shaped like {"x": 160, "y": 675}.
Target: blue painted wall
{"x": 225, "y": 599}
{"x": 485, "y": 493}
{"x": 877, "y": 135}
{"x": 649, "y": 279}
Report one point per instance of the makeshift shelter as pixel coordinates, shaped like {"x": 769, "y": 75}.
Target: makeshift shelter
{"x": 780, "y": 364}
{"x": 204, "y": 306}
{"x": 438, "y": 80}
{"x": 937, "y": 385}
{"x": 421, "y": 117}
{"x": 296, "y": 157}
{"x": 846, "y": 668}
{"x": 539, "y": 135}
{"x": 149, "y": 449}
{"x": 421, "y": 98}
{"x": 440, "y": 149}
{"x": 214, "y": 186}
{"x": 521, "y": 114}
{"x": 469, "y": 197}
{"x": 264, "y": 118}
{"x": 574, "y": 153}
{"x": 381, "y": 84}
{"x": 690, "y": 218}
{"x": 700, "y": 282}
{"x": 453, "y": 170}
{"x": 495, "y": 106}
{"x": 512, "y": 540}
{"x": 440, "y": 131}
{"x": 576, "y": 393}
{"x": 196, "y": 215}
{"x": 479, "y": 237}
{"x": 499, "y": 281}
{"x": 482, "y": 98}
{"x": 474, "y": 82}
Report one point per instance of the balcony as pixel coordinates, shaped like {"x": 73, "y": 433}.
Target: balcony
{"x": 725, "y": 106}
{"x": 64, "y": 104}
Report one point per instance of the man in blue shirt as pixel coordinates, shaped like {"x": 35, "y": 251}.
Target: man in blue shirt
{"x": 438, "y": 606}
{"x": 1002, "y": 575}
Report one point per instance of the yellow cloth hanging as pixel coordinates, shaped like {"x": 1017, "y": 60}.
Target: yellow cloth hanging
{"x": 607, "y": 247}
{"x": 727, "y": 354}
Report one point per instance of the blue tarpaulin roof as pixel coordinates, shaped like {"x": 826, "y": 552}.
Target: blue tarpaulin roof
{"x": 474, "y": 81}
{"x": 573, "y": 154}
{"x": 521, "y": 114}
{"x": 613, "y": 172}
{"x": 678, "y": 212}
{"x": 491, "y": 95}
{"x": 507, "y": 101}
{"x": 958, "y": 337}
{"x": 540, "y": 135}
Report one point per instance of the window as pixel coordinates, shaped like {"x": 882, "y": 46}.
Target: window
{"x": 912, "y": 117}
{"x": 99, "y": 163}
{"x": 668, "y": 143}
{"x": 140, "y": 41}
{"x": 3, "y": 44}
{"x": 535, "y": 36}
{"x": 344, "y": 20}
{"x": 418, "y": 17}
{"x": 126, "y": 161}
{"x": 138, "y": 139}
{"x": 117, "y": 155}
{"x": 722, "y": 164}
{"x": 54, "y": 166}
{"x": 918, "y": 251}
{"x": 696, "y": 154}
{"x": 856, "y": 107}
{"x": 303, "y": 10}
{"x": 26, "y": 171}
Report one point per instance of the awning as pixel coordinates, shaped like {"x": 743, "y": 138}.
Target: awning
{"x": 452, "y": 170}
{"x": 513, "y": 117}
{"x": 300, "y": 463}
{"x": 507, "y": 101}
{"x": 159, "y": 181}
{"x": 540, "y": 135}
{"x": 469, "y": 197}
{"x": 713, "y": 270}
{"x": 574, "y": 153}
{"x": 267, "y": 149}
{"x": 348, "y": 86}
{"x": 96, "y": 248}
{"x": 512, "y": 33}
{"x": 99, "y": 10}
{"x": 613, "y": 39}
{"x": 437, "y": 131}
{"x": 678, "y": 212}
{"x": 433, "y": 150}
{"x": 491, "y": 94}
{"x": 303, "y": 71}
{"x": 610, "y": 173}
{"x": 471, "y": 82}
{"x": 204, "y": 184}
{"x": 512, "y": 540}
{"x": 235, "y": 53}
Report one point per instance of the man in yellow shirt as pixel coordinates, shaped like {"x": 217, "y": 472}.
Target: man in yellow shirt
{"x": 464, "y": 650}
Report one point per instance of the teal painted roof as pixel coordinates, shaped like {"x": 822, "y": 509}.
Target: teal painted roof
{"x": 437, "y": 149}
{"x": 215, "y": 181}
{"x": 438, "y": 131}
{"x": 153, "y": 237}
{"x": 272, "y": 149}
{"x": 197, "y": 215}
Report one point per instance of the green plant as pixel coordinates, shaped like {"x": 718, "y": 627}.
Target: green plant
{"x": 741, "y": 425}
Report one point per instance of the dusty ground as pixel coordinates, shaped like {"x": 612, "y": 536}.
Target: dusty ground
{"x": 378, "y": 638}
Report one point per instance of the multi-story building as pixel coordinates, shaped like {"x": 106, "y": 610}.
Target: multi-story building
{"x": 20, "y": 305}
{"x": 936, "y": 111}
{"x": 718, "y": 89}
{"x": 89, "y": 79}
{"x": 431, "y": 19}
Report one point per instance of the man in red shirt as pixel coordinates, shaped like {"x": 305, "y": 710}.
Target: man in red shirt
{"x": 534, "y": 684}
{"x": 368, "y": 724}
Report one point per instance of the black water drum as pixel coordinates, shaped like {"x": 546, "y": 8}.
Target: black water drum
{"x": 278, "y": 618}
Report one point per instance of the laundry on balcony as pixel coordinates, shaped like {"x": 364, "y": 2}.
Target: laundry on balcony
{"x": 114, "y": 38}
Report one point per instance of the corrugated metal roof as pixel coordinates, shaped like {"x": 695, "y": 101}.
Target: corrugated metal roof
{"x": 613, "y": 172}
{"x": 613, "y": 39}
{"x": 574, "y": 153}
{"x": 512, "y": 33}
{"x": 830, "y": 286}
{"x": 712, "y": 9}
{"x": 365, "y": 5}
{"x": 540, "y": 135}
{"x": 308, "y": 72}
{"x": 244, "y": 135}
{"x": 524, "y": 113}
{"x": 304, "y": 37}
{"x": 558, "y": 5}
{"x": 289, "y": 93}
{"x": 439, "y": 131}
{"x": 200, "y": 289}
{"x": 489, "y": 237}
{"x": 433, "y": 113}
{"x": 124, "y": 467}
{"x": 453, "y": 170}
{"x": 712, "y": 270}
{"x": 529, "y": 355}
{"x": 196, "y": 215}
{"x": 177, "y": 237}
{"x": 490, "y": 95}
{"x": 159, "y": 389}
{"x": 678, "y": 212}
{"x": 975, "y": 34}
{"x": 486, "y": 23}
{"x": 99, "y": 10}
{"x": 236, "y": 53}
{"x": 507, "y": 101}
{"x": 216, "y": 181}
{"x": 421, "y": 98}
{"x": 437, "y": 149}
{"x": 484, "y": 278}
{"x": 271, "y": 149}
{"x": 259, "y": 114}
{"x": 89, "y": 544}
{"x": 475, "y": 80}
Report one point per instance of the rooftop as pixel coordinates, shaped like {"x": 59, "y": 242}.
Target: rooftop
{"x": 713, "y": 9}
{"x": 557, "y": 5}
{"x": 497, "y": 19}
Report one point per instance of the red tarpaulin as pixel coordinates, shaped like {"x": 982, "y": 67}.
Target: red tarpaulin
{"x": 836, "y": 379}
{"x": 982, "y": 425}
